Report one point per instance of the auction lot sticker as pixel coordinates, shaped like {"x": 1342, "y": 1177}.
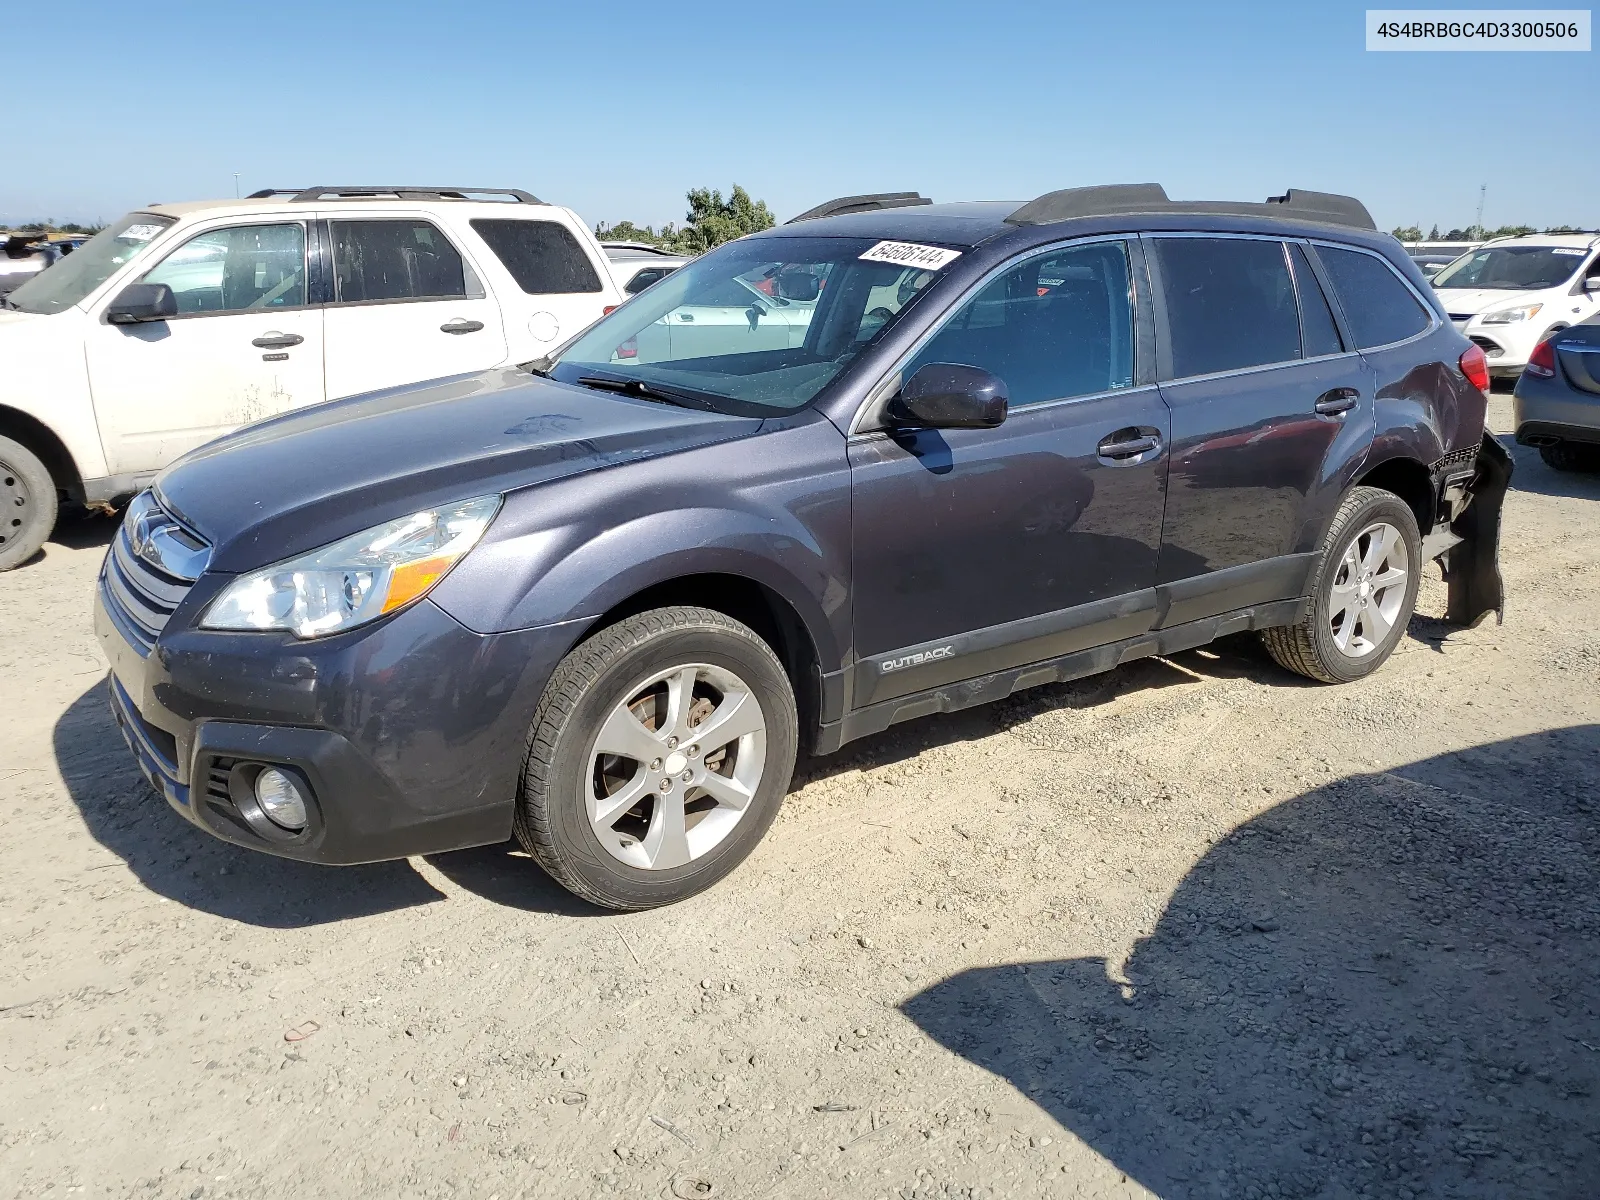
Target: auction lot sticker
{"x": 1478, "y": 29}
{"x": 909, "y": 254}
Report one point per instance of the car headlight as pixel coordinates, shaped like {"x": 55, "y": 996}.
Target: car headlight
{"x": 355, "y": 580}
{"x": 1505, "y": 316}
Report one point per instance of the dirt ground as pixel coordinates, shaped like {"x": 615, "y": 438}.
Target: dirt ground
{"x": 1196, "y": 928}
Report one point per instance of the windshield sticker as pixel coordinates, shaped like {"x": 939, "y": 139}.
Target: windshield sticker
{"x": 909, "y": 254}
{"x": 1566, "y": 250}
{"x": 140, "y": 233}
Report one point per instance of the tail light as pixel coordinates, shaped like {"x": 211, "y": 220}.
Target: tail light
{"x": 609, "y": 309}
{"x": 1475, "y": 367}
{"x": 1542, "y": 362}
{"x": 628, "y": 349}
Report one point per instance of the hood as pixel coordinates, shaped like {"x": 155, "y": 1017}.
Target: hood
{"x": 11, "y": 319}
{"x": 304, "y": 479}
{"x": 1470, "y": 301}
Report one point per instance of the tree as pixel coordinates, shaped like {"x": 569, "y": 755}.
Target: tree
{"x": 711, "y": 220}
{"x": 1433, "y": 234}
{"x": 1512, "y": 231}
{"x": 1408, "y": 233}
{"x": 627, "y": 231}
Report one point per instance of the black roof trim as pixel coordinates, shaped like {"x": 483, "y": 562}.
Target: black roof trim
{"x": 867, "y": 203}
{"x": 311, "y": 195}
{"x": 1110, "y": 199}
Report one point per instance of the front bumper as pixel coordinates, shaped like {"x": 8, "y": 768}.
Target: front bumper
{"x": 411, "y": 731}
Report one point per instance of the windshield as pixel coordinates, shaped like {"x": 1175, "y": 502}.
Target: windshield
{"x": 91, "y": 264}
{"x": 1512, "y": 268}
{"x": 754, "y": 328}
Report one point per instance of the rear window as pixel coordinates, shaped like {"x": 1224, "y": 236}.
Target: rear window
{"x": 542, "y": 256}
{"x": 1378, "y": 307}
{"x": 1230, "y": 304}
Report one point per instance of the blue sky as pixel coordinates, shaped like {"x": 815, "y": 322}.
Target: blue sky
{"x": 616, "y": 109}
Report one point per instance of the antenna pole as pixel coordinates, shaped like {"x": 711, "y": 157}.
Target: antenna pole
{"x": 1482, "y": 192}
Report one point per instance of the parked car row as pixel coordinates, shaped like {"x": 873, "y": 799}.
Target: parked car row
{"x": 180, "y": 322}
{"x": 892, "y": 459}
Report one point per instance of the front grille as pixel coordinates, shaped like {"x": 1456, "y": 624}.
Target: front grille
{"x": 140, "y": 598}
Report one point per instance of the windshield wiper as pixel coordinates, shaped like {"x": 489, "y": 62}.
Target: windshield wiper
{"x": 643, "y": 391}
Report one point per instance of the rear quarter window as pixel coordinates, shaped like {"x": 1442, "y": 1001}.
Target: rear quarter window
{"x": 542, "y": 256}
{"x": 1378, "y": 307}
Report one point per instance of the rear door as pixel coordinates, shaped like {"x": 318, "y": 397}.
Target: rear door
{"x": 982, "y": 549}
{"x": 407, "y": 306}
{"x": 246, "y": 344}
{"x": 552, "y": 288}
{"x": 1265, "y": 407}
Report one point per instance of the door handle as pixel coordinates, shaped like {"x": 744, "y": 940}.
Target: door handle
{"x": 461, "y": 325}
{"x": 276, "y": 341}
{"x": 1337, "y": 400}
{"x": 1127, "y": 443}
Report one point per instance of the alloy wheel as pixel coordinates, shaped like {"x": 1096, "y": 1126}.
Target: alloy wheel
{"x": 1368, "y": 590}
{"x": 675, "y": 766}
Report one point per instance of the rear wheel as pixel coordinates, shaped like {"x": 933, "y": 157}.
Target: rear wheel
{"x": 1363, "y": 591}
{"x": 659, "y": 755}
{"x": 1571, "y": 456}
{"x": 28, "y": 504}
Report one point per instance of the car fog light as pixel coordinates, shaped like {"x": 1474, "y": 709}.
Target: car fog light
{"x": 281, "y": 799}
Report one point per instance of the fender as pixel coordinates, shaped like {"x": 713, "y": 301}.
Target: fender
{"x": 46, "y": 377}
{"x": 773, "y": 508}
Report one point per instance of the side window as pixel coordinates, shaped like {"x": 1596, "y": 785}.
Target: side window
{"x": 645, "y": 278}
{"x": 1230, "y": 304}
{"x": 240, "y": 269}
{"x": 395, "y": 260}
{"x": 542, "y": 256}
{"x": 1317, "y": 327}
{"x": 1379, "y": 308}
{"x": 1054, "y": 326}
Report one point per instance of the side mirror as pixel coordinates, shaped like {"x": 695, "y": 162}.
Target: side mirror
{"x": 1592, "y": 284}
{"x": 950, "y": 396}
{"x": 141, "y": 302}
{"x": 798, "y": 285}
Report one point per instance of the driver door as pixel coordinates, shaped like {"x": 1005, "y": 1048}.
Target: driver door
{"x": 245, "y": 345}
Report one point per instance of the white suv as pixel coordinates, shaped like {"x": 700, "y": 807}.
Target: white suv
{"x": 182, "y": 321}
{"x": 1508, "y": 294}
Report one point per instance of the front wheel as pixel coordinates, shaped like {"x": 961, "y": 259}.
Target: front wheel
{"x": 1364, "y": 589}
{"x": 659, "y": 755}
{"x": 27, "y": 504}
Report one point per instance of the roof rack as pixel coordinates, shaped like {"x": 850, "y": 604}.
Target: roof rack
{"x": 867, "y": 203}
{"x": 1115, "y": 198}
{"x": 311, "y": 195}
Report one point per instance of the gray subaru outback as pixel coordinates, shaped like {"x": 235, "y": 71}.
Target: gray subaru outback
{"x": 889, "y": 459}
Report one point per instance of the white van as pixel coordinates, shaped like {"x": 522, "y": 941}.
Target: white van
{"x": 182, "y": 321}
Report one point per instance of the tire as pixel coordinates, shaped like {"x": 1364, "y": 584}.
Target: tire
{"x": 1568, "y": 456}
{"x": 621, "y": 686}
{"x": 1352, "y": 624}
{"x": 28, "y": 504}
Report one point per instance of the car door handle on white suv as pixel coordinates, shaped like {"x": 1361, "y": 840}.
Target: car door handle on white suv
{"x": 461, "y": 325}
{"x": 276, "y": 341}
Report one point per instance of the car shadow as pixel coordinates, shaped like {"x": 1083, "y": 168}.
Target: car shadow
{"x": 174, "y": 859}
{"x": 81, "y": 529}
{"x": 1532, "y": 474}
{"x": 1386, "y": 986}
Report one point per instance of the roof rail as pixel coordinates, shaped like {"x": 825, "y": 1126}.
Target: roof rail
{"x": 1115, "y": 198}
{"x": 867, "y": 203}
{"x": 311, "y": 195}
